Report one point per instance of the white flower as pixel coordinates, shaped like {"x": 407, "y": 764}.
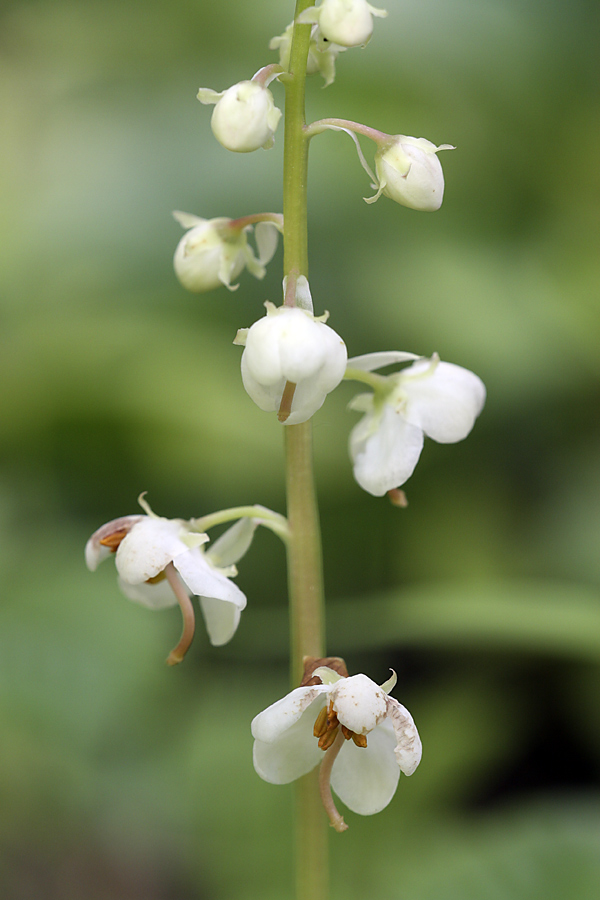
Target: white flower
{"x": 145, "y": 546}
{"x": 409, "y": 172}
{"x": 381, "y": 739}
{"x": 321, "y": 53}
{"x": 214, "y": 251}
{"x": 430, "y": 397}
{"x": 245, "y": 116}
{"x": 291, "y": 361}
{"x": 348, "y": 23}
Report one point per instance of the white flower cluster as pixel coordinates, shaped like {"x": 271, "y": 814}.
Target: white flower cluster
{"x": 362, "y": 737}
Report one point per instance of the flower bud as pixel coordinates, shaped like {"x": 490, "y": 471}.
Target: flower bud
{"x": 214, "y": 251}
{"x": 322, "y": 53}
{"x": 205, "y": 258}
{"x": 348, "y": 23}
{"x": 409, "y": 172}
{"x": 245, "y": 116}
{"x": 290, "y": 347}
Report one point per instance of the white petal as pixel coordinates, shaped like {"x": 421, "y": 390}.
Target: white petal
{"x": 445, "y": 403}
{"x": 232, "y": 544}
{"x": 303, "y": 345}
{"x": 188, "y": 220}
{"x": 370, "y": 361}
{"x": 266, "y": 396}
{"x": 95, "y": 552}
{"x": 303, "y": 295}
{"x": 207, "y": 95}
{"x": 261, "y": 358}
{"x": 309, "y": 16}
{"x": 327, "y": 675}
{"x": 365, "y": 779}
{"x": 233, "y": 258}
{"x": 408, "y": 748}
{"x": 275, "y": 720}
{"x": 389, "y": 685}
{"x": 378, "y": 13}
{"x": 151, "y": 544}
{"x": 154, "y": 596}
{"x": 206, "y": 581}
{"x": 386, "y": 457}
{"x": 221, "y": 619}
{"x": 360, "y": 704}
{"x": 295, "y": 751}
{"x": 363, "y": 403}
{"x": 266, "y": 235}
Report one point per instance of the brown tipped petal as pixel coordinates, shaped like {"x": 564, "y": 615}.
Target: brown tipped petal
{"x": 408, "y": 748}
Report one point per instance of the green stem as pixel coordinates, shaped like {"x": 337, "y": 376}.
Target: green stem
{"x": 305, "y": 577}
{"x": 266, "y": 517}
{"x": 304, "y": 547}
{"x": 295, "y": 155}
{"x": 365, "y": 377}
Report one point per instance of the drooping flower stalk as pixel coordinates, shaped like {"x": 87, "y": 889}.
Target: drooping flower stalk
{"x": 305, "y": 578}
{"x": 187, "y": 612}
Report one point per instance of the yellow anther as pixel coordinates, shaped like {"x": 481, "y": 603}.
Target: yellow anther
{"x": 113, "y": 540}
{"x": 156, "y": 579}
{"x": 321, "y": 723}
{"x": 359, "y": 739}
{"x": 328, "y": 738}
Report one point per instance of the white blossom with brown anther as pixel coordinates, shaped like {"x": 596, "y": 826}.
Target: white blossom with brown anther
{"x": 162, "y": 562}
{"x": 429, "y": 397}
{"x": 362, "y": 737}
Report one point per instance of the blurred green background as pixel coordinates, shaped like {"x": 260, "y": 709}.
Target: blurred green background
{"x": 121, "y": 779}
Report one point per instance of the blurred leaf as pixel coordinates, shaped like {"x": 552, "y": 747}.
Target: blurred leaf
{"x": 552, "y": 618}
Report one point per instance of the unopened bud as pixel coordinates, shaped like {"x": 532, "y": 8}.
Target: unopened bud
{"x": 348, "y": 23}
{"x": 409, "y": 172}
{"x": 245, "y": 116}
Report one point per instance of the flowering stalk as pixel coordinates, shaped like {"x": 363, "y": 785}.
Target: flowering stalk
{"x": 304, "y": 546}
{"x": 334, "y": 124}
{"x": 266, "y": 517}
{"x": 241, "y": 223}
{"x": 187, "y": 611}
{"x": 325, "y": 783}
